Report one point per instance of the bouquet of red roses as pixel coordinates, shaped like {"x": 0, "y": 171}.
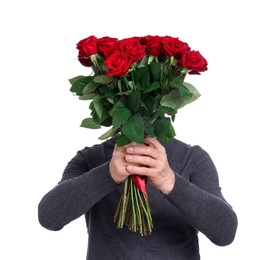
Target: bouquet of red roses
{"x": 136, "y": 87}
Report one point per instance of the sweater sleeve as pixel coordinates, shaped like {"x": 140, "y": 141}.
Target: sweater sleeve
{"x": 201, "y": 202}
{"x": 85, "y": 181}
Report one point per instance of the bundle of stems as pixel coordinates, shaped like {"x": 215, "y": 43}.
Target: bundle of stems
{"x": 133, "y": 209}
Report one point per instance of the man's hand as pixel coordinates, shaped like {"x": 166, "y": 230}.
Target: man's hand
{"x": 150, "y": 160}
{"x": 118, "y": 165}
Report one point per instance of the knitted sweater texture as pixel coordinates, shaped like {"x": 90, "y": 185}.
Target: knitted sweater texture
{"x": 195, "y": 204}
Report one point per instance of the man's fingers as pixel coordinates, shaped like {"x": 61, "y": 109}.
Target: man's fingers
{"x": 146, "y": 161}
{"x": 154, "y": 142}
{"x": 145, "y": 150}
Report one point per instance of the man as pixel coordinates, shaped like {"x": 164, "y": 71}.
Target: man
{"x": 183, "y": 190}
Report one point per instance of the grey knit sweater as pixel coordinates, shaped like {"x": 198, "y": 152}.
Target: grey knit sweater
{"x": 195, "y": 204}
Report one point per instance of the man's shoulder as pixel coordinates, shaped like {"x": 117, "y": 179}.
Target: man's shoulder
{"x": 101, "y": 151}
{"x": 182, "y": 153}
{"x": 178, "y": 143}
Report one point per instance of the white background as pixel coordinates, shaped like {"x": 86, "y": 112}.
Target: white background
{"x": 40, "y": 133}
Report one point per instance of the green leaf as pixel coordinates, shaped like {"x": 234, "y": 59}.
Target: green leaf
{"x": 142, "y": 76}
{"x": 183, "y": 90}
{"x": 143, "y": 62}
{"x": 89, "y": 123}
{"x": 180, "y": 86}
{"x": 150, "y": 59}
{"x": 90, "y": 87}
{"x": 134, "y": 128}
{"x": 120, "y": 116}
{"x": 78, "y": 85}
{"x": 102, "y": 119}
{"x": 106, "y": 121}
{"x": 149, "y": 130}
{"x": 111, "y": 132}
{"x": 134, "y": 101}
{"x": 155, "y": 71}
{"x": 164, "y": 130}
{"x": 149, "y": 104}
{"x": 120, "y": 85}
{"x": 172, "y": 60}
{"x": 163, "y": 76}
{"x": 173, "y": 117}
{"x": 152, "y": 87}
{"x": 192, "y": 90}
{"x": 126, "y": 93}
{"x": 72, "y": 80}
{"x": 122, "y": 140}
{"x": 118, "y": 103}
{"x": 87, "y": 96}
{"x": 103, "y": 89}
{"x": 110, "y": 94}
{"x": 103, "y": 79}
{"x": 131, "y": 85}
{"x": 111, "y": 100}
{"x": 165, "y": 110}
{"x": 98, "y": 106}
{"x": 175, "y": 101}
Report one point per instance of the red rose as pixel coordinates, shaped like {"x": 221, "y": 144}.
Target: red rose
{"x": 106, "y": 45}
{"x": 87, "y": 46}
{"x": 133, "y": 48}
{"x": 84, "y": 60}
{"x": 154, "y": 44}
{"x": 174, "y": 47}
{"x": 118, "y": 64}
{"x": 194, "y": 61}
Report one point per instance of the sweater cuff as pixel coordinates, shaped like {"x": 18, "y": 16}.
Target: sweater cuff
{"x": 179, "y": 184}
{"x": 105, "y": 179}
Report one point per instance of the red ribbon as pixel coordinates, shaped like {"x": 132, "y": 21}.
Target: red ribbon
{"x": 140, "y": 182}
